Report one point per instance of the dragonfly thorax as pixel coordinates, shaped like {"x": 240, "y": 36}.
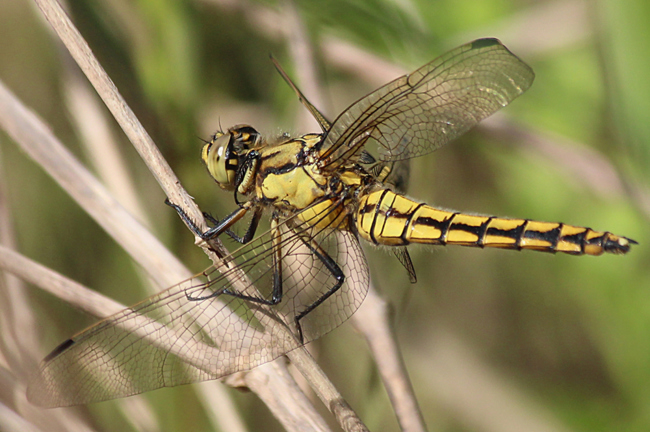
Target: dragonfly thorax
{"x": 224, "y": 154}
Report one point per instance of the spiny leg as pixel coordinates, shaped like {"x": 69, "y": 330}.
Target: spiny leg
{"x": 276, "y": 295}
{"x": 250, "y": 231}
{"x": 332, "y": 267}
{"x": 220, "y": 227}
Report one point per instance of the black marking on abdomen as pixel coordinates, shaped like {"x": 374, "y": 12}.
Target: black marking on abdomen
{"x": 472, "y": 229}
{"x": 374, "y": 217}
{"x": 391, "y": 212}
{"x": 443, "y": 226}
{"x": 483, "y": 231}
{"x": 408, "y": 223}
{"x": 579, "y": 239}
{"x": 542, "y": 235}
{"x": 514, "y": 233}
{"x": 552, "y": 236}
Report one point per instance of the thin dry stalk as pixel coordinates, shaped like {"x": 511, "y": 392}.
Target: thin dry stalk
{"x": 37, "y": 141}
{"x": 110, "y": 95}
{"x": 99, "y": 141}
{"x": 289, "y": 404}
{"x": 371, "y": 319}
{"x": 125, "y": 117}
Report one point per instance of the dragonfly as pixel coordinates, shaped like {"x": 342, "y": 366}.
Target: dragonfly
{"x": 307, "y": 274}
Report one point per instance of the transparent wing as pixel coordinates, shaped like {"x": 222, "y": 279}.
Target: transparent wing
{"x": 422, "y": 111}
{"x": 197, "y": 331}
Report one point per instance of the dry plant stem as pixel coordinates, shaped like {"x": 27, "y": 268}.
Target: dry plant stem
{"x": 373, "y": 321}
{"x": 125, "y": 117}
{"x": 93, "y": 124}
{"x": 271, "y": 380}
{"x": 129, "y": 123}
{"x": 279, "y": 392}
{"x": 37, "y": 141}
{"x": 326, "y": 391}
{"x": 304, "y": 62}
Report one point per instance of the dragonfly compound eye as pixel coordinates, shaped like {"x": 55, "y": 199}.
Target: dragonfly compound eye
{"x": 246, "y": 137}
{"x": 221, "y": 160}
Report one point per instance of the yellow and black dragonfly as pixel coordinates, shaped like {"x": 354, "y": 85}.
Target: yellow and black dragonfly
{"x": 307, "y": 274}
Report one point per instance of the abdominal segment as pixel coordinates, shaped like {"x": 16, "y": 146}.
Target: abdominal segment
{"x": 387, "y": 218}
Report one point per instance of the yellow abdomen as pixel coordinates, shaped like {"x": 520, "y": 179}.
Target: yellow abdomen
{"x": 387, "y": 218}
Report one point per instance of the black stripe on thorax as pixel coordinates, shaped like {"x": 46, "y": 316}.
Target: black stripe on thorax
{"x": 270, "y": 155}
{"x": 279, "y": 170}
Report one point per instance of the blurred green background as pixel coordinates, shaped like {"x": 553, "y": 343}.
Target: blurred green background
{"x": 570, "y": 335}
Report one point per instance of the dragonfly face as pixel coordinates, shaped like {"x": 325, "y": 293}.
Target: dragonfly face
{"x": 223, "y": 154}
{"x": 307, "y": 274}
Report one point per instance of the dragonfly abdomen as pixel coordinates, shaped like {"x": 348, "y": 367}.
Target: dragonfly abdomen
{"x": 387, "y": 218}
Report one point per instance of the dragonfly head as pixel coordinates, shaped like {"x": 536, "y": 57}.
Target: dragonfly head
{"x": 223, "y": 154}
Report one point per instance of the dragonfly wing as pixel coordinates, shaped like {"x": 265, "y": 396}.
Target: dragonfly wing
{"x": 195, "y": 331}
{"x": 308, "y": 278}
{"x": 422, "y": 111}
{"x": 318, "y": 116}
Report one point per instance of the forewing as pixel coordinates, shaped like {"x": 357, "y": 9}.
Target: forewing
{"x": 195, "y": 331}
{"x": 422, "y": 111}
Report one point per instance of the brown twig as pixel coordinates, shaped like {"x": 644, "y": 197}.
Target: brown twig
{"x": 125, "y": 117}
{"x": 372, "y": 319}
{"x": 73, "y": 177}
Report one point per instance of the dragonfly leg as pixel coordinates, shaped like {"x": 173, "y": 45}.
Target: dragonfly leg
{"x": 250, "y": 231}
{"x": 220, "y": 227}
{"x": 336, "y": 272}
{"x": 276, "y": 295}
